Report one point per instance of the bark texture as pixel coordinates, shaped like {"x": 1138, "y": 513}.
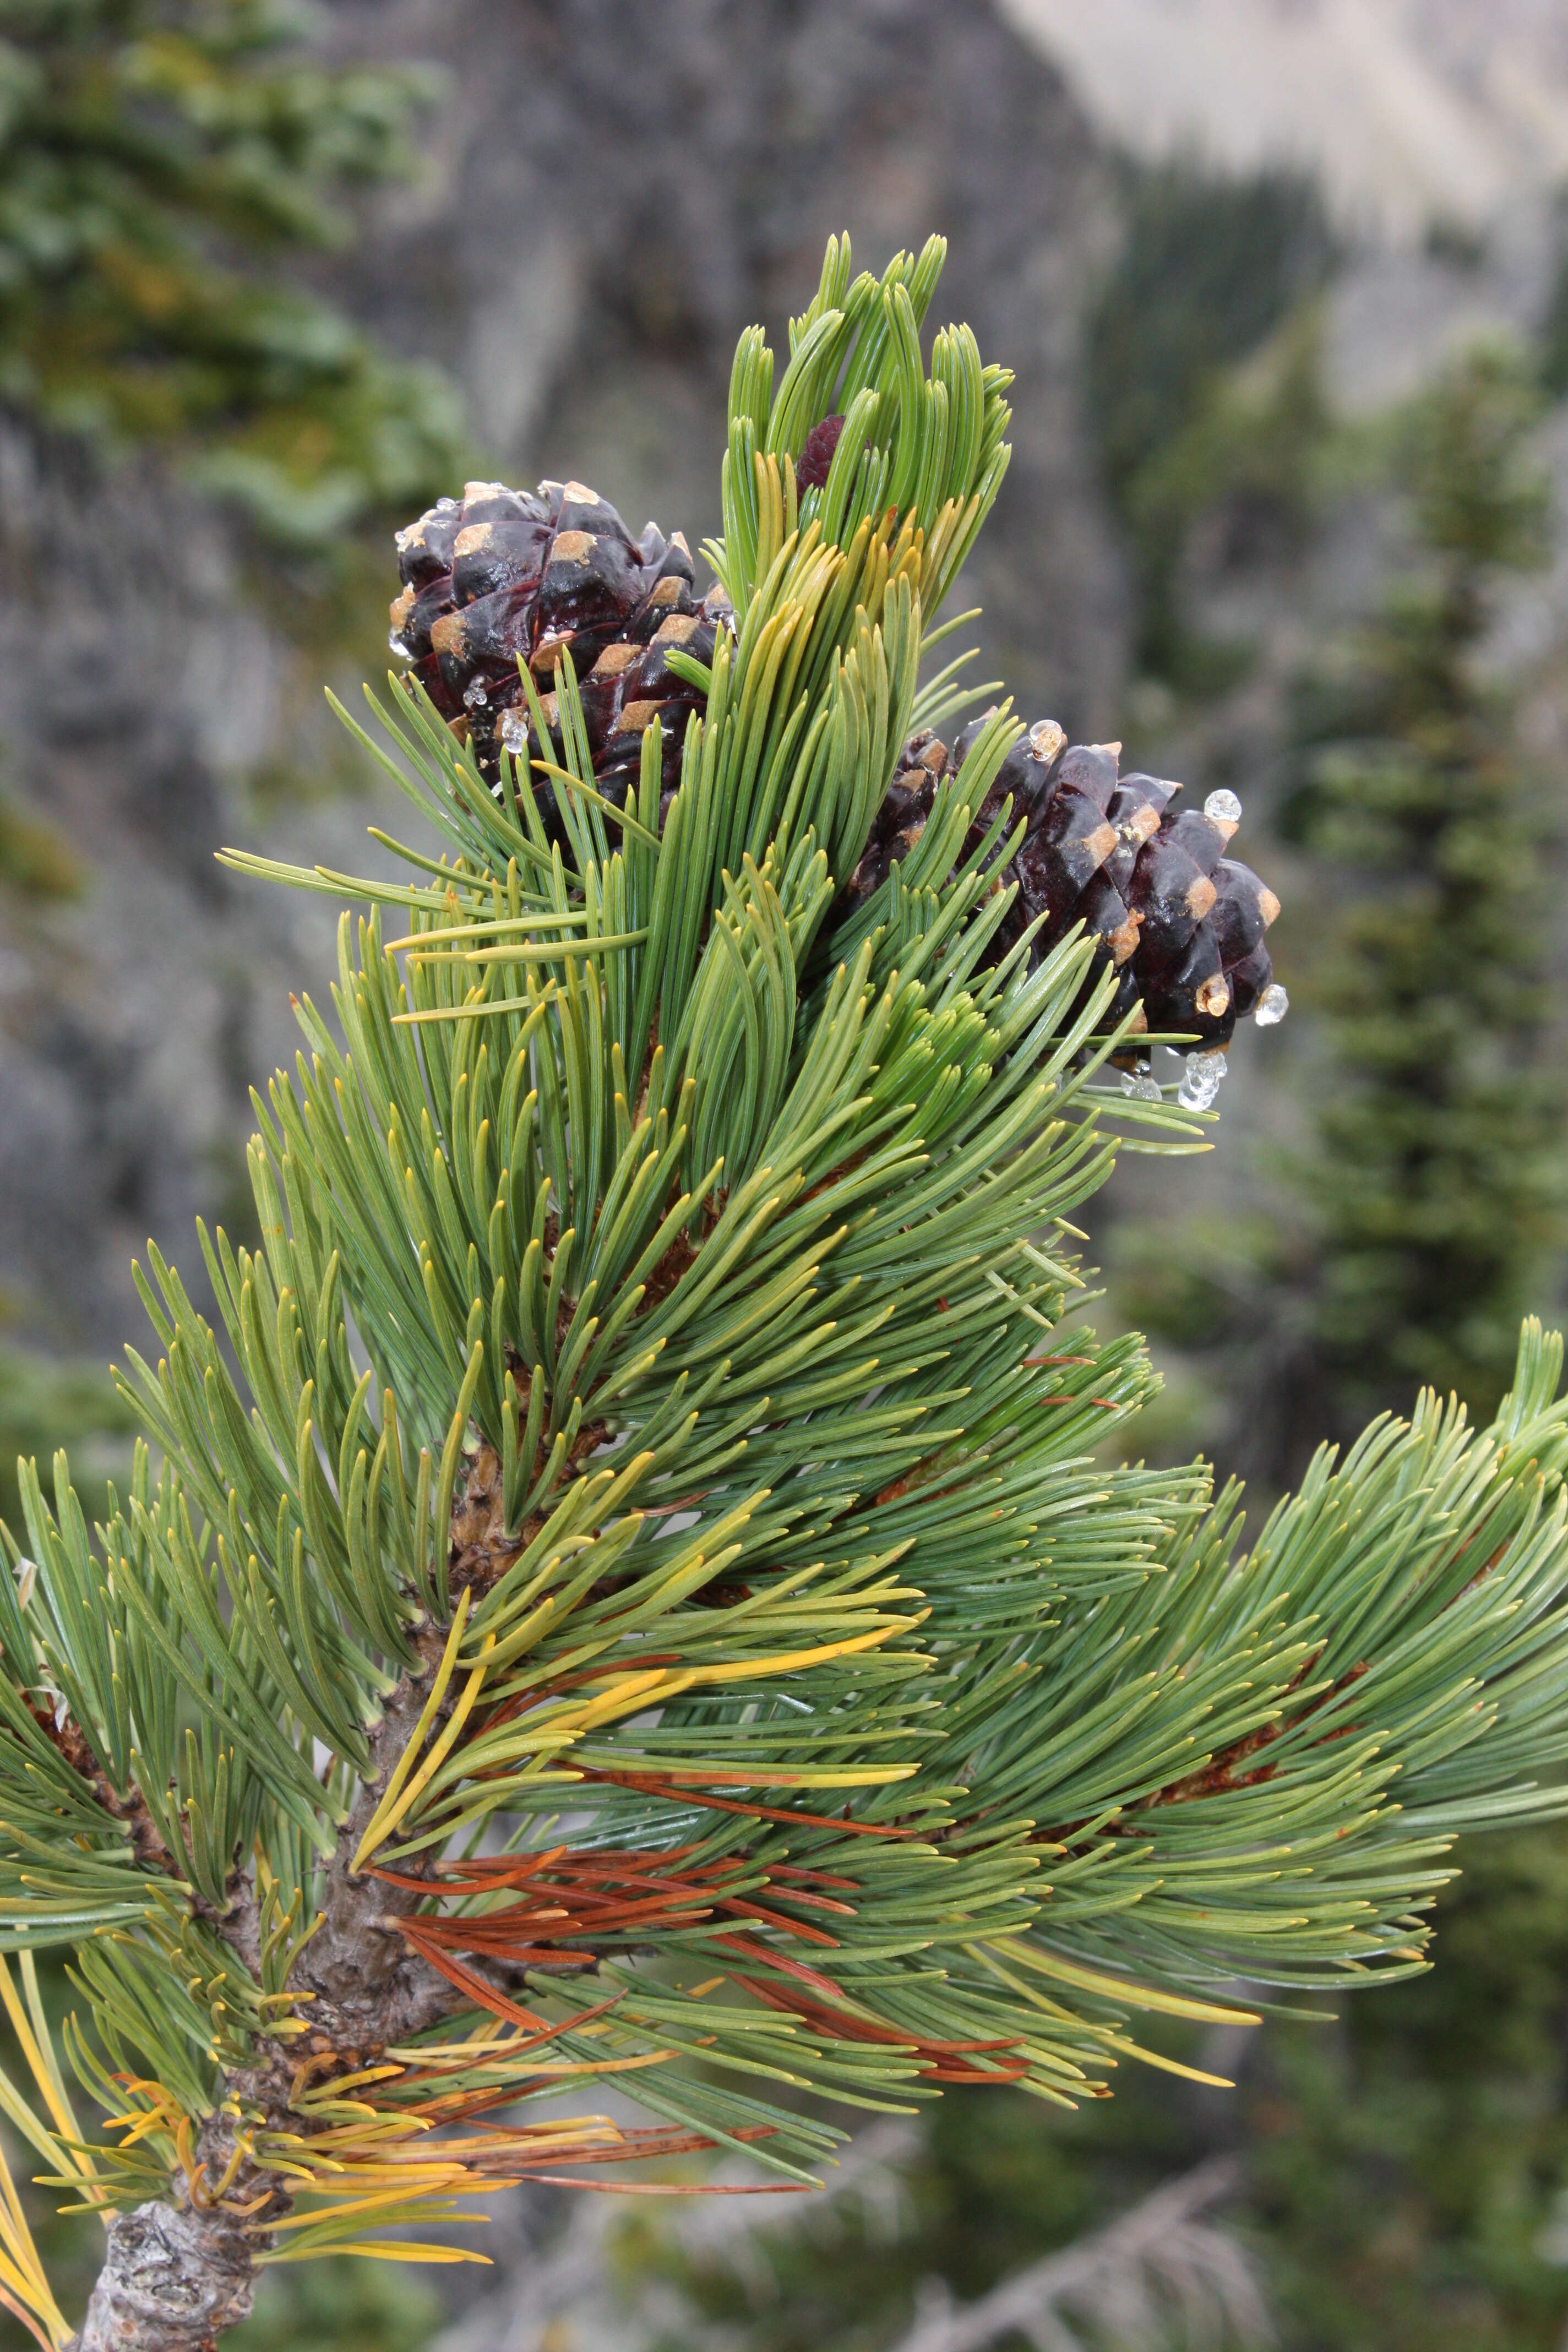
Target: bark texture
{"x": 370, "y": 1989}
{"x": 174, "y": 2278}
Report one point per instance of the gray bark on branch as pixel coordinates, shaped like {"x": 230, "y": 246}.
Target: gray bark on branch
{"x": 172, "y": 2279}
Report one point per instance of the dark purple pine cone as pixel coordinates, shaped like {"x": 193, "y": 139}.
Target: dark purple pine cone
{"x": 501, "y": 575}
{"x": 1181, "y": 923}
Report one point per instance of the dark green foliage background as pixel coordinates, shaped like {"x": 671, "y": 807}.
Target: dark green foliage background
{"x": 1438, "y": 1180}
{"x": 159, "y": 159}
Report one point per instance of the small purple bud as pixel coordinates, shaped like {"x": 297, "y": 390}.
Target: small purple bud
{"x": 816, "y": 458}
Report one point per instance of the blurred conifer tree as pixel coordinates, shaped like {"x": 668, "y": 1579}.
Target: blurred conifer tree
{"x": 1429, "y": 1196}
{"x": 158, "y": 160}
{"x": 1208, "y": 268}
{"x": 1437, "y": 1192}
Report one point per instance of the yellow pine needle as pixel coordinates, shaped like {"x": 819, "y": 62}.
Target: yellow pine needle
{"x": 372, "y": 2138}
{"x": 388, "y": 2122}
{"x": 531, "y": 951}
{"x": 358, "y": 2181}
{"x": 17, "y": 2111}
{"x": 342, "y": 2082}
{"x": 185, "y": 2148}
{"x": 203, "y": 2197}
{"x": 535, "y": 923}
{"x": 451, "y": 2057}
{"x": 525, "y": 1635}
{"x": 625, "y": 1695}
{"x": 1120, "y": 1990}
{"x": 24, "y": 2287}
{"x": 442, "y": 1748}
{"x": 351, "y": 2108}
{"x": 756, "y": 1776}
{"x": 162, "y": 2110}
{"x": 376, "y": 1829}
{"x": 341, "y": 2146}
{"x": 9, "y": 2303}
{"x": 453, "y": 2181}
{"x": 33, "y": 2039}
{"x": 478, "y": 1009}
{"x": 137, "y": 2127}
{"x": 987, "y": 1956}
{"x": 558, "y": 2066}
{"x": 382, "y": 2250}
{"x": 1169, "y": 2065}
{"x": 775, "y": 516}
{"x": 404, "y": 2167}
{"x": 46, "y": 2066}
{"x": 653, "y": 1686}
{"x": 788, "y": 1662}
{"x": 288, "y": 2171}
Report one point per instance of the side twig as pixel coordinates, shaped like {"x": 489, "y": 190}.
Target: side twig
{"x": 1122, "y": 2280}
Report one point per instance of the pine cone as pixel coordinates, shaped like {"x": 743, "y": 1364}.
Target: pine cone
{"x": 1179, "y": 920}
{"x": 501, "y": 574}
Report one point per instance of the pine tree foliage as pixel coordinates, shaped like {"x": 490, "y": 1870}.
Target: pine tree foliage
{"x": 1436, "y": 1191}
{"x": 629, "y": 1589}
{"x": 155, "y": 157}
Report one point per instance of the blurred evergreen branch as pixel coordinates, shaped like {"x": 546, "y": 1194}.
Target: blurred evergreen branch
{"x": 1426, "y": 1196}
{"x": 1158, "y": 2272}
{"x": 1209, "y": 269}
{"x": 45, "y": 1403}
{"x": 1406, "y": 2160}
{"x": 1551, "y": 330}
{"x": 158, "y": 160}
{"x": 1438, "y": 1195}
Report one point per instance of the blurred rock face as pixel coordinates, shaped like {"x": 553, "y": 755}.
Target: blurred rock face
{"x": 141, "y": 991}
{"x": 1412, "y": 111}
{"x": 613, "y": 192}
{"x": 618, "y": 190}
